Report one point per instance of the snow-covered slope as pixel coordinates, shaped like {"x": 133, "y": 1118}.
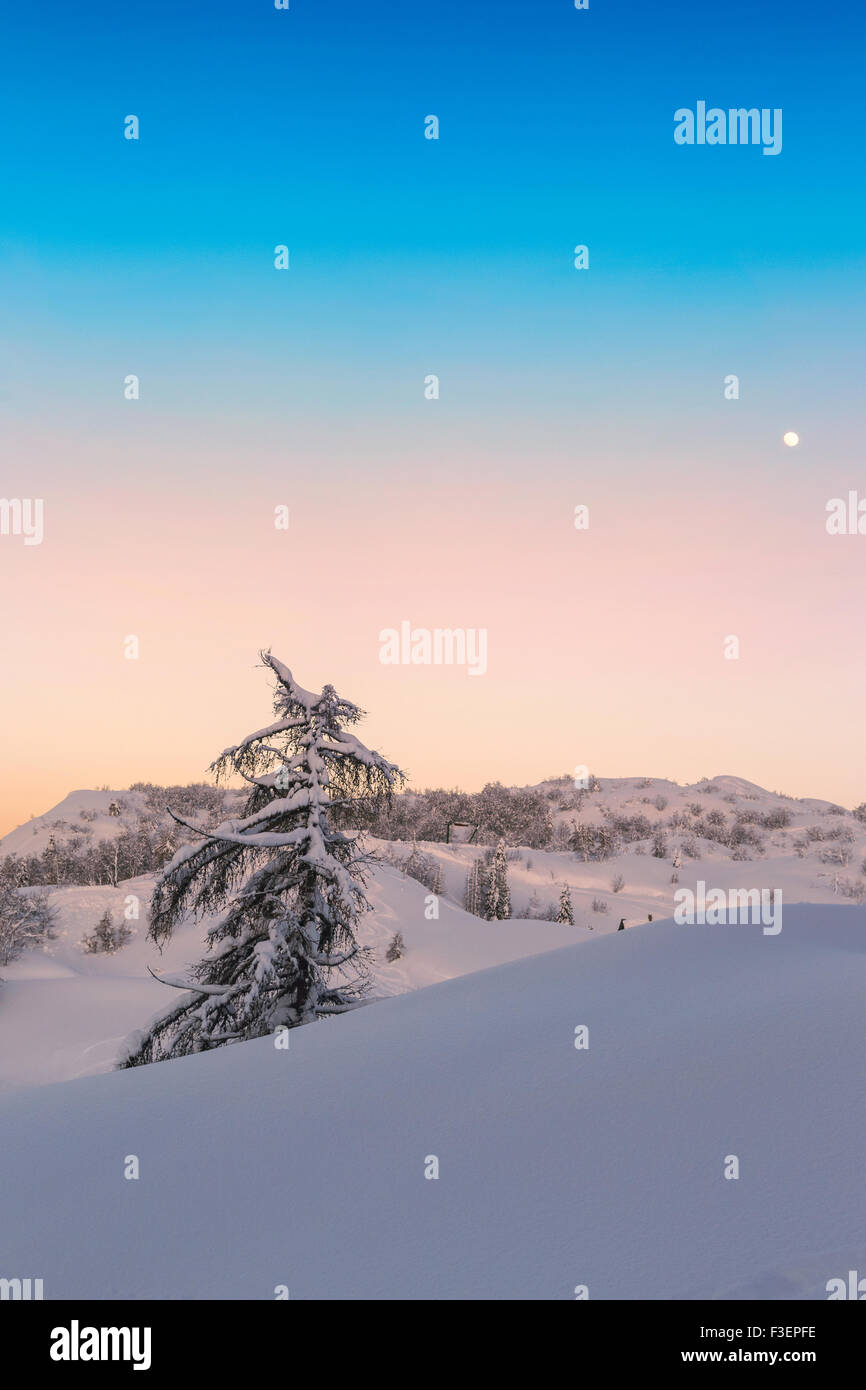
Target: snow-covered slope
{"x": 81, "y": 813}
{"x": 66, "y": 1014}
{"x": 558, "y": 1167}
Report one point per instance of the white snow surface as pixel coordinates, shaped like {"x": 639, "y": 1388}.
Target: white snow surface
{"x": 557, "y": 1167}
{"x": 64, "y": 1013}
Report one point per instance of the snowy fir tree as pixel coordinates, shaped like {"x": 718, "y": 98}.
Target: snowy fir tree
{"x": 497, "y": 902}
{"x": 566, "y": 912}
{"x": 415, "y": 864}
{"x": 106, "y": 937}
{"x": 473, "y": 897}
{"x": 290, "y": 881}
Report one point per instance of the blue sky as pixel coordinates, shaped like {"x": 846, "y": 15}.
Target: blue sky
{"x": 409, "y": 256}
{"x": 306, "y": 127}
{"x": 554, "y": 121}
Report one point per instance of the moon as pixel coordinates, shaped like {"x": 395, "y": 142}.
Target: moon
{"x": 791, "y": 439}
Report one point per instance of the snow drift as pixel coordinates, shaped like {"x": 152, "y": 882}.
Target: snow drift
{"x": 558, "y": 1167}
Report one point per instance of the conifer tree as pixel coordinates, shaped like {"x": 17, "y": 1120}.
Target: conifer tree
{"x": 472, "y": 894}
{"x": 106, "y": 937}
{"x": 100, "y": 939}
{"x": 291, "y": 881}
{"x": 566, "y": 912}
{"x": 497, "y": 904}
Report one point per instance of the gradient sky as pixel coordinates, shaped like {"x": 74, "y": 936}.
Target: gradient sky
{"x": 558, "y": 387}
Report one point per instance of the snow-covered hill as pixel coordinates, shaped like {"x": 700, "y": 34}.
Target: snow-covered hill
{"x": 64, "y": 1013}
{"x": 558, "y": 1167}
{"x": 81, "y": 813}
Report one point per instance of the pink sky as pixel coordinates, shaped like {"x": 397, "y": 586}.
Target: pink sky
{"x": 605, "y": 647}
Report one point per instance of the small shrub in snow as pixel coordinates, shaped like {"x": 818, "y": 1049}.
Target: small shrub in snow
{"x": 777, "y": 819}
{"x": 397, "y": 947}
{"x": 617, "y": 883}
{"x": 599, "y": 905}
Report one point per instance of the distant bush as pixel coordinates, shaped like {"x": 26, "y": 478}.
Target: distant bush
{"x": 595, "y": 842}
{"x": 777, "y": 819}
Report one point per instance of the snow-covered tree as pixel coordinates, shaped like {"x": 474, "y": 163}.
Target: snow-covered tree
{"x": 424, "y": 869}
{"x": 26, "y": 921}
{"x": 497, "y": 903}
{"x": 566, "y": 912}
{"x": 534, "y": 910}
{"x": 106, "y": 937}
{"x": 473, "y": 897}
{"x": 292, "y": 883}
